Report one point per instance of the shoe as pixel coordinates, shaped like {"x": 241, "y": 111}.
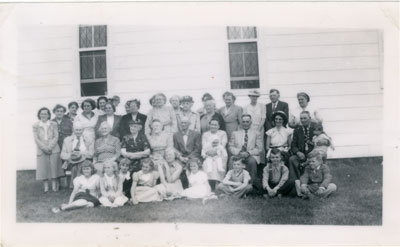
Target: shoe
{"x": 56, "y": 210}
{"x": 279, "y": 196}
{"x": 266, "y": 196}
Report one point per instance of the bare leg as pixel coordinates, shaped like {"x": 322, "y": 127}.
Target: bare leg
{"x": 81, "y": 203}
{"x": 46, "y": 185}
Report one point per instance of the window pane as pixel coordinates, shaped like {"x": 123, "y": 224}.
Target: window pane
{"x": 236, "y": 65}
{"x": 93, "y": 89}
{"x": 100, "y": 36}
{"x": 249, "y": 33}
{"x": 245, "y": 84}
{"x": 86, "y": 63}
{"x": 250, "y": 47}
{"x": 234, "y": 33}
{"x": 85, "y": 36}
{"x": 251, "y": 64}
{"x": 100, "y": 66}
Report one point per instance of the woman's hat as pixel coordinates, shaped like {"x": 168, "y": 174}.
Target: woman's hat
{"x": 136, "y": 121}
{"x": 187, "y": 98}
{"x": 254, "y": 93}
{"x": 76, "y": 157}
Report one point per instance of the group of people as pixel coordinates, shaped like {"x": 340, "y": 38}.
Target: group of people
{"x": 112, "y": 155}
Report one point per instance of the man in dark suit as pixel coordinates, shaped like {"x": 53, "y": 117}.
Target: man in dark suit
{"x": 274, "y": 106}
{"x": 187, "y": 144}
{"x": 134, "y": 115}
{"x": 301, "y": 145}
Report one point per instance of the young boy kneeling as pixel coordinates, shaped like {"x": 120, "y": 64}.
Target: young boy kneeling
{"x": 275, "y": 177}
{"x": 236, "y": 181}
{"x": 316, "y": 178}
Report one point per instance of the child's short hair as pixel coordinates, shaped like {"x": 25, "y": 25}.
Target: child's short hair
{"x": 195, "y": 160}
{"x": 315, "y": 154}
{"x": 276, "y": 151}
{"x": 237, "y": 158}
{"x": 124, "y": 161}
{"x": 87, "y": 163}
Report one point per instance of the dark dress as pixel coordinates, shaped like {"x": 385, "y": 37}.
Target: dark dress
{"x": 124, "y": 124}
{"x": 64, "y": 129}
{"x": 135, "y": 145}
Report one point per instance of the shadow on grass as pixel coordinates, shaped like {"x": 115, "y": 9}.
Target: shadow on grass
{"x": 358, "y": 201}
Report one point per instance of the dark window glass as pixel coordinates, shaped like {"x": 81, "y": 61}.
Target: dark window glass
{"x": 93, "y": 88}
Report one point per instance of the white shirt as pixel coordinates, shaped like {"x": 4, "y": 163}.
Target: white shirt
{"x": 295, "y": 114}
{"x": 82, "y": 146}
{"x": 45, "y": 127}
{"x": 110, "y": 121}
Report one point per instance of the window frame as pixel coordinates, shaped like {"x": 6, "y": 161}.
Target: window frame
{"x": 97, "y": 48}
{"x": 250, "y": 40}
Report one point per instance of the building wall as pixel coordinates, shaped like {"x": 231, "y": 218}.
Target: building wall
{"x": 340, "y": 69}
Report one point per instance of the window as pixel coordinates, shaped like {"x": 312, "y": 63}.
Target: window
{"x": 92, "y": 60}
{"x": 243, "y": 57}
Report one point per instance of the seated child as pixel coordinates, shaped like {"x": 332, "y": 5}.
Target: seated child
{"x": 143, "y": 183}
{"x": 215, "y": 166}
{"x": 236, "y": 181}
{"x": 316, "y": 178}
{"x": 111, "y": 186}
{"x": 198, "y": 181}
{"x": 275, "y": 176}
{"x": 322, "y": 141}
{"x": 126, "y": 177}
{"x": 86, "y": 190}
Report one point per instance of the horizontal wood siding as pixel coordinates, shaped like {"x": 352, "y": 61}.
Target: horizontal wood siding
{"x": 341, "y": 71}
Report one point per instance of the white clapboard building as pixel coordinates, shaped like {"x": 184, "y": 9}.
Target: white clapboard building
{"x": 341, "y": 69}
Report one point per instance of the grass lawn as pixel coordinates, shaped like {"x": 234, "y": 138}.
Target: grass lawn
{"x": 358, "y": 201}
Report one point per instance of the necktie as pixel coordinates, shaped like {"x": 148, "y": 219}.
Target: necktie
{"x": 78, "y": 144}
{"x": 246, "y": 139}
{"x": 273, "y": 107}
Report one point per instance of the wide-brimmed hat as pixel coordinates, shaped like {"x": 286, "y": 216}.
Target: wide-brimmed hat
{"x": 254, "y": 93}
{"x": 76, "y": 157}
{"x": 187, "y": 98}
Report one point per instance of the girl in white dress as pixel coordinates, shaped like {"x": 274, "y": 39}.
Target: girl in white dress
{"x": 111, "y": 187}
{"x": 198, "y": 181}
{"x": 143, "y": 184}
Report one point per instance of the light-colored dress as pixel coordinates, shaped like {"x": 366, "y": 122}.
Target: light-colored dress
{"x": 198, "y": 186}
{"x": 46, "y": 136}
{"x": 159, "y": 143}
{"x": 174, "y": 188}
{"x": 106, "y": 148}
{"x": 321, "y": 147}
{"x": 294, "y": 114}
{"x": 145, "y": 190}
{"x": 166, "y": 115}
{"x": 215, "y": 166}
{"x": 279, "y": 138}
{"x": 112, "y": 186}
{"x": 91, "y": 184}
{"x": 88, "y": 125}
{"x": 257, "y": 113}
{"x": 208, "y": 137}
{"x": 194, "y": 119}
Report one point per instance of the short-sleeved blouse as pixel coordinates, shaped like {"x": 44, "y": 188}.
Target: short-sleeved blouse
{"x": 279, "y": 137}
{"x": 88, "y": 125}
{"x": 294, "y": 114}
{"x": 92, "y": 184}
{"x": 159, "y": 143}
{"x": 166, "y": 115}
{"x": 145, "y": 179}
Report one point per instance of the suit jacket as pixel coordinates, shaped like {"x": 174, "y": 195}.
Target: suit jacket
{"x": 298, "y": 142}
{"x": 68, "y": 148}
{"x": 281, "y": 106}
{"x": 52, "y": 138}
{"x": 124, "y": 125}
{"x": 232, "y": 118}
{"x": 193, "y": 144}
{"x": 254, "y": 143}
{"x": 114, "y": 129}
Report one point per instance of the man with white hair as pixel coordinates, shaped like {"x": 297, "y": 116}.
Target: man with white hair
{"x": 75, "y": 150}
{"x": 187, "y": 144}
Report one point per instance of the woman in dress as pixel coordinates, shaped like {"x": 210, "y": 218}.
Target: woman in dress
{"x": 106, "y": 148}
{"x": 170, "y": 172}
{"x": 86, "y": 190}
{"x": 279, "y": 137}
{"x": 72, "y": 110}
{"x": 159, "y": 140}
{"x": 208, "y": 114}
{"x": 231, "y": 113}
{"x": 206, "y": 97}
{"x": 112, "y": 120}
{"x": 63, "y": 122}
{"x": 214, "y": 174}
{"x": 304, "y": 105}
{"x": 186, "y": 112}
{"x": 163, "y": 113}
{"x": 88, "y": 119}
{"x": 143, "y": 184}
{"x": 48, "y": 162}
{"x": 257, "y": 111}
{"x": 101, "y": 102}
{"x": 111, "y": 187}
